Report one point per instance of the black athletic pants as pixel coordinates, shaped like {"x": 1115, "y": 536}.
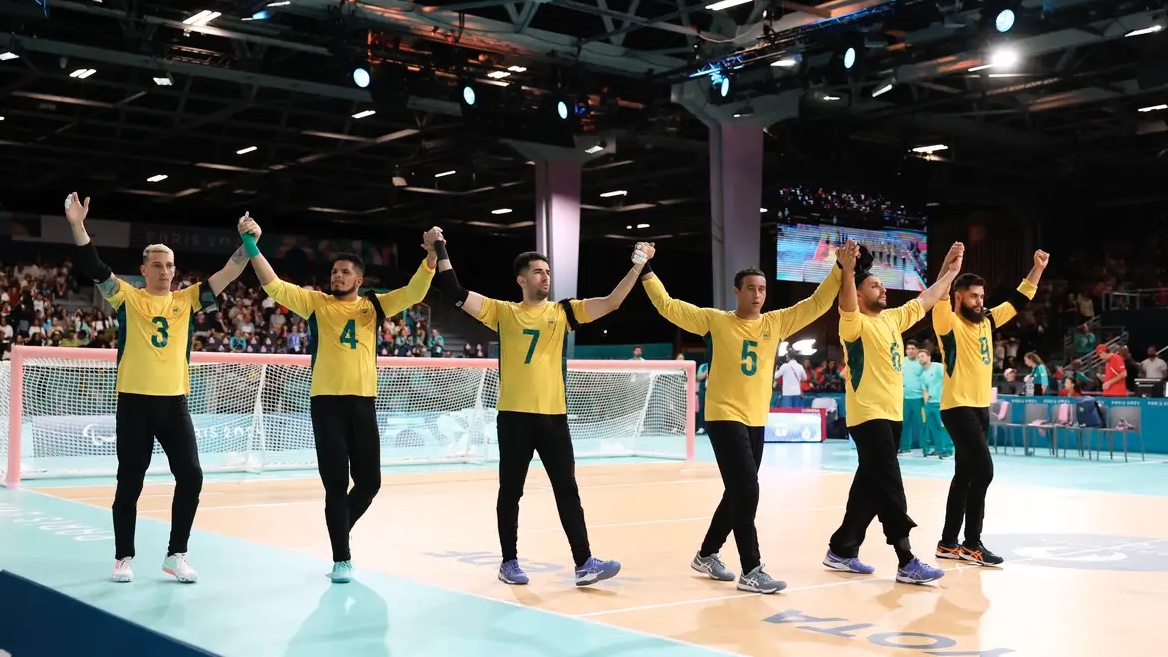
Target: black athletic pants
{"x": 139, "y": 420}
{"x": 345, "y": 430}
{"x": 738, "y": 451}
{"x": 877, "y": 489}
{"x": 521, "y": 436}
{"x": 973, "y": 470}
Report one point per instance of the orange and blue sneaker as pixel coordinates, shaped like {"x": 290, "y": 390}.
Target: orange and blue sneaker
{"x": 980, "y": 555}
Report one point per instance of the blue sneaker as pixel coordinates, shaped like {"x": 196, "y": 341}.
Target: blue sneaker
{"x": 916, "y": 572}
{"x": 342, "y": 572}
{"x": 596, "y": 570}
{"x": 852, "y": 565}
{"x": 511, "y": 573}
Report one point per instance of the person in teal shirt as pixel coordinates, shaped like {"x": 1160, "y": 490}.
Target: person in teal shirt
{"x": 935, "y": 440}
{"x": 914, "y": 404}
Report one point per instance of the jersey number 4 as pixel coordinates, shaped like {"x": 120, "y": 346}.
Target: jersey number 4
{"x": 349, "y": 334}
{"x": 161, "y": 335}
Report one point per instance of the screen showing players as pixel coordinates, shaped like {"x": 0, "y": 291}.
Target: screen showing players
{"x": 806, "y": 252}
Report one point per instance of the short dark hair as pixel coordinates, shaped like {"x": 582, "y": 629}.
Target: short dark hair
{"x": 524, "y": 260}
{"x": 966, "y": 281}
{"x": 749, "y": 271}
{"x": 346, "y": 256}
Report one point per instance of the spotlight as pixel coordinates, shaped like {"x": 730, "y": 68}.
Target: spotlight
{"x": 361, "y": 77}
{"x": 1004, "y": 20}
{"x": 849, "y": 58}
{"x": 468, "y": 95}
{"x": 562, "y": 109}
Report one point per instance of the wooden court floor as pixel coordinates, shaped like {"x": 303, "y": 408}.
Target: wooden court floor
{"x": 1085, "y": 570}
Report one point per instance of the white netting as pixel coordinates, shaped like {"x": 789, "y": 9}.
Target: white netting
{"x": 252, "y": 413}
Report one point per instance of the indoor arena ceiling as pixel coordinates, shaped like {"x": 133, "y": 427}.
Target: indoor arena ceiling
{"x": 256, "y": 108}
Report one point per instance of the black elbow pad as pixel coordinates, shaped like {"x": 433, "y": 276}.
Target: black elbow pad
{"x": 447, "y": 284}
{"x": 90, "y": 266}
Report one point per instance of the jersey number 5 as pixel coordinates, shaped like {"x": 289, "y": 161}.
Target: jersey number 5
{"x": 161, "y": 332}
{"x": 349, "y": 334}
{"x": 534, "y": 333}
{"x": 983, "y": 346}
{"x": 749, "y": 357}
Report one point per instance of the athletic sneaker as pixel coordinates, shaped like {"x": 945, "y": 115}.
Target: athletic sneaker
{"x": 852, "y": 565}
{"x": 596, "y": 570}
{"x": 758, "y": 581}
{"x": 123, "y": 570}
{"x": 342, "y": 572}
{"x": 177, "y": 565}
{"x": 511, "y": 573}
{"x": 712, "y": 566}
{"x": 916, "y": 572}
{"x": 980, "y": 555}
{"x": 948, "y": 550}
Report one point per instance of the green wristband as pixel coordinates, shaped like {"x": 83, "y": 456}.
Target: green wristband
{"x": 249, "y": 245}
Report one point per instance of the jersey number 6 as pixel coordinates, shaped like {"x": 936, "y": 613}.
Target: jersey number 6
{"x": 161, "y": 332}
{"x": 749, "y": 357}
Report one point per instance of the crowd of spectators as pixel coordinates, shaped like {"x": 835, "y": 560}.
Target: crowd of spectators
{"x": 43, "y": 304}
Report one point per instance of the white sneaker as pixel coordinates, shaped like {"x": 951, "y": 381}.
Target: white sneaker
{"x": 177, "y": 565}
{"x": 123, "y": 570}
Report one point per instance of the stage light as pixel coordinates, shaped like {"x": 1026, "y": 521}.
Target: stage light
{"x": 1004, "y": 20}
{"x": 468, "y": 95}
{"x": 562, "y": 109}
{"x": 361, "y": 77}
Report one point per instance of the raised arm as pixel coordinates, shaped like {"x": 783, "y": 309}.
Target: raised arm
{"x": 940, "y": 287}
{"x": 598, "y": 307}
{"x": 447, "y": 283}
{"x": 942, "y": 314}
{"x": 89, "y": 265}
{"x": 293, "y": 297}
{"x": 238, "y": 262}
{"x": 1022, "y": 296}
{"x": 685, "y": 316}
{"x": 849, "y": 300}
{"x": 793, "y": 319}
{"x": 395, "y": 301}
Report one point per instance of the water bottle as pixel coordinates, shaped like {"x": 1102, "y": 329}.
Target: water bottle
{"x": 1029, "y": 386}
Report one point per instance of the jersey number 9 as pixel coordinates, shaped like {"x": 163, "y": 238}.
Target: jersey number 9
{"x": 983, "y": 347}
{"x": 161, "y": 332}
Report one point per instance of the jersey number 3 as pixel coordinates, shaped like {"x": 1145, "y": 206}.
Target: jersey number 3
{"x": 161, "y": 332}
{"x": 349, "y": 334}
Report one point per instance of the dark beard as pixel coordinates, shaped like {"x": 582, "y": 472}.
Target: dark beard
{"x": 340, "y": 293}
{"x": 972, "y": 316}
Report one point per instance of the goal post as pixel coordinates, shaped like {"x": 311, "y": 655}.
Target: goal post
{"x": 251, "y": 411}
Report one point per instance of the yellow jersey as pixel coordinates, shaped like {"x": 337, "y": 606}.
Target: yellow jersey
{"x": 343, "y": 334}
{"x": 533, "y": 358}
{"x": 967, "y": 349}
{"x": 155, "y": 332}
{"x": 874, "y": 357}
{"x": 742, "y": 351}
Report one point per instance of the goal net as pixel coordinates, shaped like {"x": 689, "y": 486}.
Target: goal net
{"x": 251, "y": 411}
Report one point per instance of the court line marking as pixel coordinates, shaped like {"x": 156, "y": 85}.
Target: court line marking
{"x": 698, "y": 647}
{"x": 848, "y": 582}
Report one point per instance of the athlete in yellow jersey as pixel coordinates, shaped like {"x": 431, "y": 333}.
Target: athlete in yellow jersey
{"x": 743, "y": 344}
{"x": 153, "y": 380}
{"x": 532, "y": 407}
{"x": 343, "y": 326}
{"x": 966, "y": 339}
{"x": 871, "y": 334}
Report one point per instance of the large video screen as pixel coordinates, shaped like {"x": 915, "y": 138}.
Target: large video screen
{"x": 806, "y": 253}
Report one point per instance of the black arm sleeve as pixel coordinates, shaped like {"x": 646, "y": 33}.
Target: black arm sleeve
{"x": 452, "y": 292}
{"x": 89, "y": 266}
{"x": 1018, "y": 300}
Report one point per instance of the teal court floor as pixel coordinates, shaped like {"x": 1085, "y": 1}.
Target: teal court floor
{"x": 1085, "y": 543}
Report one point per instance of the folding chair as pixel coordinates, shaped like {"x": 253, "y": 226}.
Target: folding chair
{"x": 1122, "y": 420}
{"x": 1033, "y": 416}
{"x": 1062, "y": 418}
{"x": 999, "y": 411}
